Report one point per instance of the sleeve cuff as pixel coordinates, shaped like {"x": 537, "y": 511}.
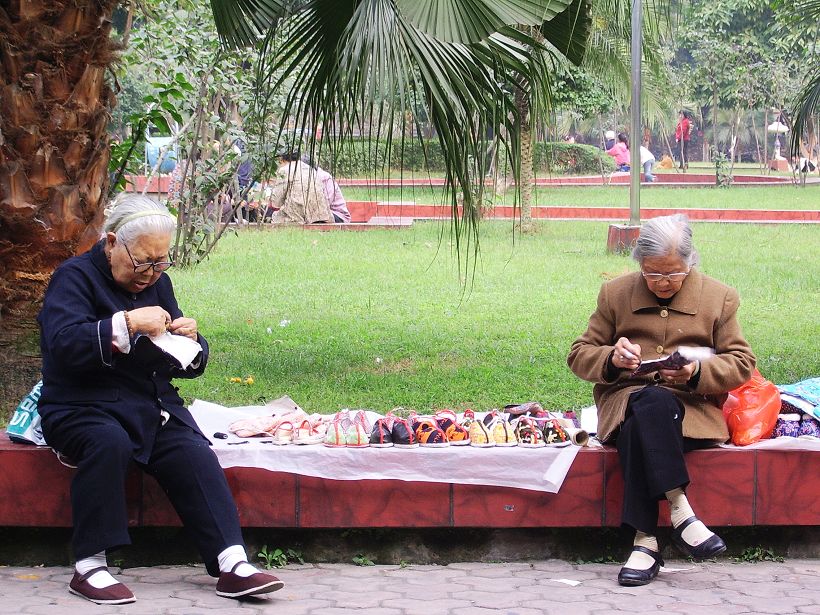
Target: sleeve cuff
{"x": 119, "y": 333}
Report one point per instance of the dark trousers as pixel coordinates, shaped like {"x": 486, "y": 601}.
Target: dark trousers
{"x": 684, "y": 153}
{"x": 182, "y": 463}
{"x": 651, "y": 448}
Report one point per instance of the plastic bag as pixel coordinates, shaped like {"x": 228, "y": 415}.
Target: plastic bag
{"x": 24, "y": 426}
{"x": 751, "y": 410}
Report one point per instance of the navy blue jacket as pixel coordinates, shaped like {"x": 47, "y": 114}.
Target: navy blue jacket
{"x": 81, "y": 369}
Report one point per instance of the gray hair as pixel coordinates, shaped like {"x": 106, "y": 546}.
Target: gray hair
{"x": 134, "y": 215}
{"x": 664, "y": 236}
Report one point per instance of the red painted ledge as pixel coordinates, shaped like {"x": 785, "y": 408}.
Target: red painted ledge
{"x": 729, "y": 488}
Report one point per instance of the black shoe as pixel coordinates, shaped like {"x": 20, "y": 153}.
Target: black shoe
{"x": 632, "y": 577}
{"x": 708, "y": 549}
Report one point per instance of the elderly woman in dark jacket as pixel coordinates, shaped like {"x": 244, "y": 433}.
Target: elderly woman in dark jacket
{"x": 654, "y": 419}
{"x": 107, "y": 401}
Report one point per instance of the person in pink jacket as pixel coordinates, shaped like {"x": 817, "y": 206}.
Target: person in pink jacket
{"x": 620, "y": 152}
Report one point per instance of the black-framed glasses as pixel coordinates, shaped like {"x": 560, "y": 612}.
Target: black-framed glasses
{"x": 678, "y": 276}
{"x": 143, "y": 267}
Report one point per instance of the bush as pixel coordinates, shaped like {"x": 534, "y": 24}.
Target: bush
{"x": 571, "y": 159}
{"x": 364, "y": 157}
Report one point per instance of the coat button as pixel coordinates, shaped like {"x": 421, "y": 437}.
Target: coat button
{"x": 664, "y": 313}
{"x": 659, "y": 349}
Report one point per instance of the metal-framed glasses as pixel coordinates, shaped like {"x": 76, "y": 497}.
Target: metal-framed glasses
{"x": 143, "y": 267}
{"x": 677, "y": 276}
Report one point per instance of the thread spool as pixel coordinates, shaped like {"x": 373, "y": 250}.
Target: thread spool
{"x": 578, "y": 436}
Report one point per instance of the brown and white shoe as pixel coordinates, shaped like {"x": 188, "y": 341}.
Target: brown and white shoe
{"x": 231, "y": 585}
{"x": 113, "y": 594}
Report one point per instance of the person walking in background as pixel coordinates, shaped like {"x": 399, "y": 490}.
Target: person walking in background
{"x": 683, "y": 133}
{"x": 620, "y": 152}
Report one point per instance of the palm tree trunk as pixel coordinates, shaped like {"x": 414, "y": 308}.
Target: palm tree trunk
{"x": 54, "y": 151}
{"x": 527, "y": 176}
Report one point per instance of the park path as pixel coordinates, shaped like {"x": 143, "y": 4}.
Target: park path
{"x": 525, "y": 588}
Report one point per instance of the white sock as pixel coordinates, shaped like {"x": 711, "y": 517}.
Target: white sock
{"x": 232, "y": 556}
{"x": 99, "y": 579}
{"x": 639, "y": 560}
{"x": 694, "y": 534}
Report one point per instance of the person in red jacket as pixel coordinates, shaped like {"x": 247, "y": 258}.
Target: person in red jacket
{"x": 683, "y": 132}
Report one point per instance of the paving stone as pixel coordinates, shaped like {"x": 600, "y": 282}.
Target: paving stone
{"x": 460, "y": 589}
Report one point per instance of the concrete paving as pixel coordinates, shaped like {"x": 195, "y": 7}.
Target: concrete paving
{"x": 525, "y": 588}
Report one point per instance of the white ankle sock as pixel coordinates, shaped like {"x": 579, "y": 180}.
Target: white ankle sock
{"x": 639, "y": 560}
{"x": 696, "y": 532}
{"x": 232, "y": 556}
{"x": 100, "y": 579}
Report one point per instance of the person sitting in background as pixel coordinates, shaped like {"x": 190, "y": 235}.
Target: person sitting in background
{"x": 334, "y": 196}
{"x": 107, "y": 403}
{"x": 620, "y": 152}
{"x": 647, "y": 162}
{"x": 654, "y": 419}
{"x": 297, "y": 194}
{"x": 609, "y": 137}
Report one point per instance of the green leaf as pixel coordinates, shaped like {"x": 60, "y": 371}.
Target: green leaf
{"x": 471, "y": 21}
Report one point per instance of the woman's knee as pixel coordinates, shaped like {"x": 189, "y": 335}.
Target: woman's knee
{"x": 653, "y": 401}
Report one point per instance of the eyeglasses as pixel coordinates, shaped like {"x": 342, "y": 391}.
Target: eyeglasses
{"x": 143, "y": 267}
{"x": 678, "y": 276}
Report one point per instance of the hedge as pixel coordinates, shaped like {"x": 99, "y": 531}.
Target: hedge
{"x": 363, "y": 157}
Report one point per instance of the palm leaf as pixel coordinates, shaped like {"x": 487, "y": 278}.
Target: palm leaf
{"x": 471, "y": 21}
{"x": 364, "y": 67}
{"x": 807, "y": 106}
{"x": 242, "y": 22}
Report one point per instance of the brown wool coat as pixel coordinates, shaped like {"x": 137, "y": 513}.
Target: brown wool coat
{"x": 702, "y": 313}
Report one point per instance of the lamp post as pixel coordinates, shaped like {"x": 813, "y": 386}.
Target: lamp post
{"x": 621, "y": 237}
{"x": 635, "y": 125}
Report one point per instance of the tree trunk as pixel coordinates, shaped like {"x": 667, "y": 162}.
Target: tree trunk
{"x": 527, "y": 176}
{"x": 54, "y": 110}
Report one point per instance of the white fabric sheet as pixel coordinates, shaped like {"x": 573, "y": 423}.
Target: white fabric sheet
{"x": 541, "y": 469}
{"x": 785, "y": 443}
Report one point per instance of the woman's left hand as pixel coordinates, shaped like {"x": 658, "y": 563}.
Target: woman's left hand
{"x": 184, "y": 326}
{"x": 679, "y": 376}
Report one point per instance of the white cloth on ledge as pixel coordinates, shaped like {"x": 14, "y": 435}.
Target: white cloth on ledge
{"x": 540, "y": 469}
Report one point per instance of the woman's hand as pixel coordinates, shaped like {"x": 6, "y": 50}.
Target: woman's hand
{"x": 151, "y": 321}
{"x": 679, "y": 376}
{"x": 626, "y": 355}
{"x": 184, "y": 326}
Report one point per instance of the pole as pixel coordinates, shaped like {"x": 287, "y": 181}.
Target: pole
{"x": 635, "y": 124}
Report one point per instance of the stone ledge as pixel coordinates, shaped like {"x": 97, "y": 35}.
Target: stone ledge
{"x": 729, "y": 488}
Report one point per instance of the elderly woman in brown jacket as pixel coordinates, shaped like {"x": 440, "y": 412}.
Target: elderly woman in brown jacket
{"x": 655, "y": 418}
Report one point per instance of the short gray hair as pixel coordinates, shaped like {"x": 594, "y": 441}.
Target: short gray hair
{"x": 133, "y": 215}
{"x": 664, "y": 236}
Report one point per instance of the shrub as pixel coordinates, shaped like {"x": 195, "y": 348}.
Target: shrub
{"x": 571, "y": 159}
{"x": 364, "y": 157}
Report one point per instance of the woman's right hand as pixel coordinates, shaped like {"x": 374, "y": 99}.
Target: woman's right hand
{"x": 626, "y": 354}
{"x": 152, "y": 320}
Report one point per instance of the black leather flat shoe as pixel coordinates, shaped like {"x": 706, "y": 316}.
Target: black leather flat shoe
{"x": 632, "y": 577}
{"x": 708, "y": 549}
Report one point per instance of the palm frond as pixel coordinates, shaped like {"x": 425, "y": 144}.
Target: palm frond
{"x": 364, "y": 68}
{"x": 242, "y": 22}
{"x": 472, "y": 21}
{"x": 807, "y": 107}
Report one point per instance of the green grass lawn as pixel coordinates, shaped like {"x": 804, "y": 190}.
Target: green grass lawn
{"x": 736, "y": 197}
{"x": 378, "y": 319}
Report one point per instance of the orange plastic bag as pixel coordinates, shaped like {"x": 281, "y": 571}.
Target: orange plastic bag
{"x": 751, "y": 410}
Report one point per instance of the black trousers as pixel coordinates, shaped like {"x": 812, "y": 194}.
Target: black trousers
{"x": 651, "y": 450}
{"x": 684, "y": 153}
{"x": 183, "y": 464}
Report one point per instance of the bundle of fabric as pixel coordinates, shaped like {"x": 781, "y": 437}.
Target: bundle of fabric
{"x": 800, "y": 409}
